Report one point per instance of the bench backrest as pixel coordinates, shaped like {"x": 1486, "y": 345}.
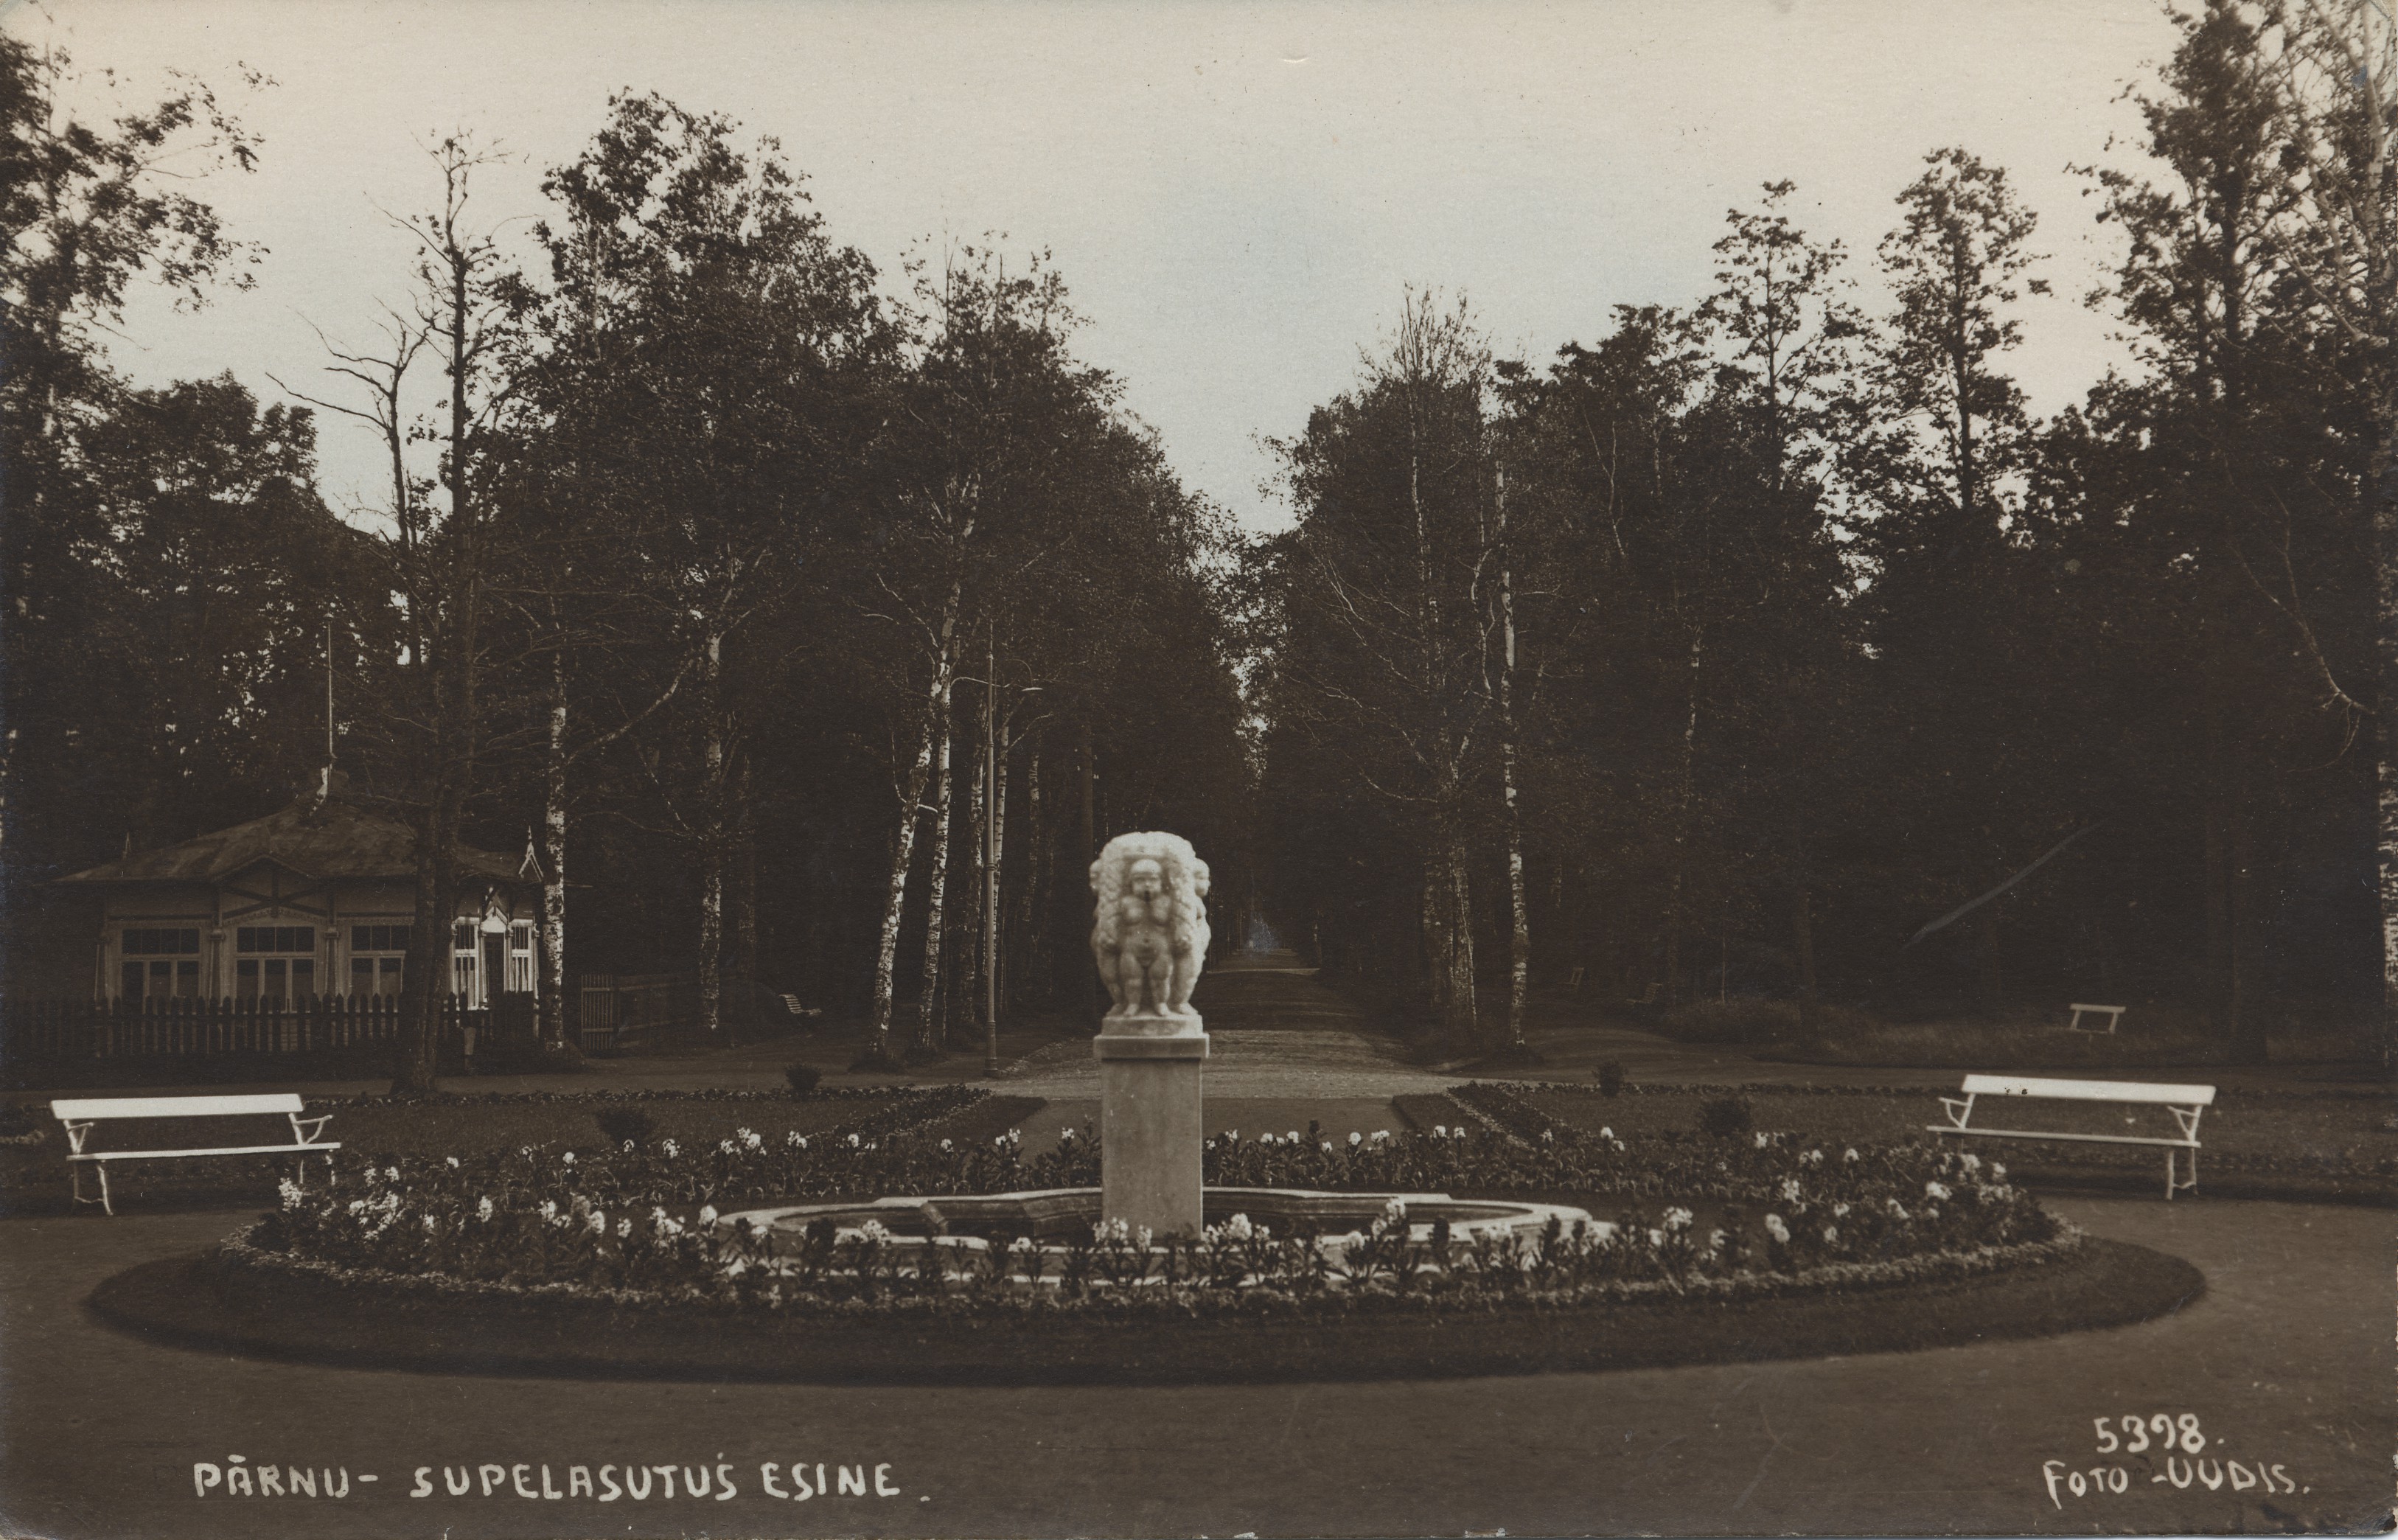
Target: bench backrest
{"x": 101, "y": 1109}
{"x": 2089, "y": 1090}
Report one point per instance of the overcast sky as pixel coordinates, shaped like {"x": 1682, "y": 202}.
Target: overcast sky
{"x": 1236, "y": 194}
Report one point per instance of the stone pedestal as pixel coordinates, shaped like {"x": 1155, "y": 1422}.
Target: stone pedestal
{"x": 1149, "y": 1132}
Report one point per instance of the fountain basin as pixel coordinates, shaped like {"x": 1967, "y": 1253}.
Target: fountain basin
{"x": 1055, "y": 1216}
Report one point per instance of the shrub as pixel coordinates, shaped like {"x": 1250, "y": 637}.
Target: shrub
{"x": 626, "y": 1126}
{"x": 1502, "y": 1106}
{"x": 803, "y": 1078}
{"x": 1610, "y": 1078}
{"x": 1725, "y": 1117}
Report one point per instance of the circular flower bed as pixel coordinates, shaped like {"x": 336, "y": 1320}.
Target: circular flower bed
{"x": 619, "y": 1261}
{"x": 646, "y": 1219}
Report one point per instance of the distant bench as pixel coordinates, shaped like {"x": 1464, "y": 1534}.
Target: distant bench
{"x": 2186, "y": 1102}
{"x": 82, "y": 1116}
{"x": 2114, "y": 1014}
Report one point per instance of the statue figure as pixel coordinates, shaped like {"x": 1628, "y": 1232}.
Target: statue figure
{"x": 1151, "y": 933}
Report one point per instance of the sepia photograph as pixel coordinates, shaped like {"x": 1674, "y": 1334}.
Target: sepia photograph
{"x": 980, "y": 768}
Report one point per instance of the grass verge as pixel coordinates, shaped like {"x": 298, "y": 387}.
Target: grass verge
{"x": 33, "y": 1176}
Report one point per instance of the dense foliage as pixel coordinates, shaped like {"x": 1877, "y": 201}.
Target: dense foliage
{"x": 703, "y": 556}
{"x": 1792, "y": 630}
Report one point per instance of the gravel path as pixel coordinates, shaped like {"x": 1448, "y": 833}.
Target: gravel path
{"x": 1273, "y": 1031}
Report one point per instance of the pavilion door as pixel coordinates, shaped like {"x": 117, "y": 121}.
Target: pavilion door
{"x": 495, "y": 967}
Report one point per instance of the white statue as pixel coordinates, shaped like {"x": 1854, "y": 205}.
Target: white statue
{"x": 1150, "y": 934}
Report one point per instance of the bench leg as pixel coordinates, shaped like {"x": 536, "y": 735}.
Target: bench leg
{"x": 74, "y": 1180}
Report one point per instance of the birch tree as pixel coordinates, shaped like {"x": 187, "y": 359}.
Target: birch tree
{"x": 709, "y": 353}
{"x": 1379, "y": 637}
{"x": 987, "y": 407}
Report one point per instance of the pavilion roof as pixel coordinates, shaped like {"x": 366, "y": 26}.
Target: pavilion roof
{"x": 318, "y": 837}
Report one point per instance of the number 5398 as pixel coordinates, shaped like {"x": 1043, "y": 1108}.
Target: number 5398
{"x": 2162, "y": 1432}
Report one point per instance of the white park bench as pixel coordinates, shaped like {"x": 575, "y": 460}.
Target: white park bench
{"x": 82, "y": 1116}
{"x": 2114, "y": 1014}
{"x": 2186, "y": 1102}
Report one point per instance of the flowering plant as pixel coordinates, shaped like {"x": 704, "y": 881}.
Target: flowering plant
{"x": 644, "y": 1218}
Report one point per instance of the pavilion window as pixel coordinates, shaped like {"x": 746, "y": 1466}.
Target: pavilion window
{"x": 464, "y": 948}
{"x": 520, "y": 969}
{"x": 174, "y": 940}
{"x": 378, "y": 955}
{"x": 275, "y": 962}
{"x": 159, "y": 964}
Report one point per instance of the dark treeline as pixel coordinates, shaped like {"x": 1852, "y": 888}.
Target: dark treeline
{"x": 1733, "y": 648}
{"x": 1743, "y": 646}
{"x": 706, "y": 568}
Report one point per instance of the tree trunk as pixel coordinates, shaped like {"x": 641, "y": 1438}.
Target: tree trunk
{"x": 1802, "y": 935}
{"x": 972, "y": 963}
{"x": 1031, "y": 949}
{"x": 1519, "y": 941}
{"x": 424, "y": 972}
{"x": 553, "y": 861}
{"x": 929, "y": 1013}
{"x": 1684, "y": 805}
{"x": 903, "y": 846}
{"x": 1093, "y": 993}
{"x": 1435, "y": 939}
{"x": 711, "y": 848}
{"x": 452, "y": 672}
{"x": 2219, "y": 813}
{"x": 2385, "y": 638}
{"x": 994, "y": 953}
{"x": 745, "y": 899}
{"x": 427, "y": 981}
{"x": 1462, "y": 1018}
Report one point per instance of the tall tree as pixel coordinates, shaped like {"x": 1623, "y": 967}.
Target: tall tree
{"x": 91, "y": 213}
{"x": 1938, "y": 470}
{"x": 1377, "y": 629}
{"x": 2336, "y": 79}
{"x": 706, "y": 352}
{"x": 2235, "y": 437}
{"x": 430, "y": 736}
{"x": 979, "y": 424}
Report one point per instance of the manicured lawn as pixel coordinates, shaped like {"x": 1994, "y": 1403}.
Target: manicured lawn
{"x": 2153, "y": 1036}
{"x": 2243, "y": 1131}
{"x": 34, "y": 1178}
{"x": 438, "y": 1128}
